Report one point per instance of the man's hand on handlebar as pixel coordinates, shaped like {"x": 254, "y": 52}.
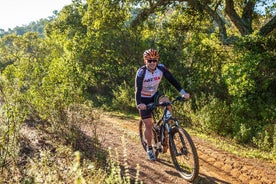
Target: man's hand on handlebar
{"x": 142, "y": 106}
{"x": 186, "y": 96}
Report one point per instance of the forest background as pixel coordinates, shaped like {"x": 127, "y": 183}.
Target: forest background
{"x": 222, "y": 52}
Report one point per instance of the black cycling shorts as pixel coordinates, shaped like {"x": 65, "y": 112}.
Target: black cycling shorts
{"x": 155, "y": 98}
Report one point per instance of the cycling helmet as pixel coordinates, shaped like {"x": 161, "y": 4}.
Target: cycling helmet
{"x": 151, "y": 54}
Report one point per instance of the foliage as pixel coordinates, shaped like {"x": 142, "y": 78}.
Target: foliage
{"x": 252, "y": 89}
{"x": 35, "y": 26}
{"x": 225, "y": 14}
{"x": 263, "y": 139}
{"x": 124, "y": 98}
{"x": 20, "y": 73}
{"x": 11, "y": 119}
{"x": 73, "y": 170}
{"x": 215, "y": 118}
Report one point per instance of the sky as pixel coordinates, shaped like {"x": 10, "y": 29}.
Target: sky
{"x": 21, "y": 12}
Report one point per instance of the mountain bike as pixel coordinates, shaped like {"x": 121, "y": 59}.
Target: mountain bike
{"x": 166, "y": 129}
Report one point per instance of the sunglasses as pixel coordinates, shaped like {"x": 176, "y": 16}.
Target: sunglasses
{"x": 152, "y": 60}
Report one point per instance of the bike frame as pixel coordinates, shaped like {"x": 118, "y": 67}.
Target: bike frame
{"x": 164, "y": 120}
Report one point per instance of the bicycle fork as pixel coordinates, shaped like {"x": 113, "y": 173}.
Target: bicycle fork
{"x": 173, "y": 129}
{"x": 161, "y": 140}
{"x": 183, "y": 150}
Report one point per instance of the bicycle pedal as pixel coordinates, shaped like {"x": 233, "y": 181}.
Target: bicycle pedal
{"x": 160, "y": 150}
{"x": 165, "y": 149}
{"x": 159, "y": 147}
{"x": 174, "y": 130}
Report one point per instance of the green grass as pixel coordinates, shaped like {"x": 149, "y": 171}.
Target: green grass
{"x": 234, "y": 148}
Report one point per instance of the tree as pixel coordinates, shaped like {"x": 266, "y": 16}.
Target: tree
{"x": 241, "y": 14}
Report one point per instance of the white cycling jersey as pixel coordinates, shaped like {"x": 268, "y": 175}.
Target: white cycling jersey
{"x": 151, "y": 82}
{"x": 146, "y": 82}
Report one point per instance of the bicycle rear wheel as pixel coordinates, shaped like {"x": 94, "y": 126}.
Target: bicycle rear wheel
{"x": 144, "y": 141}
{"x": 183, "y": 153}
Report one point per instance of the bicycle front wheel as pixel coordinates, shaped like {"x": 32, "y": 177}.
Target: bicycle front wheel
{"x": 183, "y": 153}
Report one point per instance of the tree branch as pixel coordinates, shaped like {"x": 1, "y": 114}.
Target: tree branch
{"x": 143, "y": 15}
{"x": 268, "y": 27}
{"x": 243, "y": 23}
{"x": 235, "y": 18}
{"x": 216, "y": 17}
{"x": 219, "y": 21}
{"x": 248, "y": 14}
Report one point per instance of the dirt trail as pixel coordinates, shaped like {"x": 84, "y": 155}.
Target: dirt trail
{"x": 216, "y": 166}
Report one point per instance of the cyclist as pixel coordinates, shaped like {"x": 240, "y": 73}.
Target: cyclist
{"x": 147, "y": 81}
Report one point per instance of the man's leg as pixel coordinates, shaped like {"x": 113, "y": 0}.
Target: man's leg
{"x": 148, "y": 130}
{"x": 148, "y": 136}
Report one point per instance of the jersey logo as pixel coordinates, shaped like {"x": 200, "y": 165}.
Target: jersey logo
{"x": 152, "y": 79}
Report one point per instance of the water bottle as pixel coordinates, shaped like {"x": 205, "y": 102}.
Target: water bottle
{"x": 157, "y": 130}
{"x": 168, "y": 115}
{"x": 159, "y": 146}
{"x": 162, "y": 136}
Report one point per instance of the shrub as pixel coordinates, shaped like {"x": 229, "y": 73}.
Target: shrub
{"x": 244, "y": 134}
{"x": 214, "y": 117}
{"x": 264, "y": 138}
{"x": 124, "y": 98}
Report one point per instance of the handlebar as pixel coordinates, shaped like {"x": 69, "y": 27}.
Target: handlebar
{"x": 151, "y": 106}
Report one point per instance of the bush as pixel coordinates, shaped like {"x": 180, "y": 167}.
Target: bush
{"x": 215, "y": 117}
{"x": 264, "y": 138}
{"x": 243, "y": 134}
{"x": 124, "y": 98}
